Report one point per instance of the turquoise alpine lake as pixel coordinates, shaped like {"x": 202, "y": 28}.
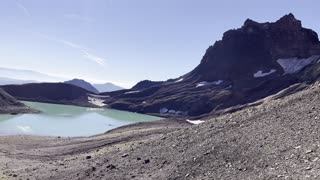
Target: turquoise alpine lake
{"x": 67, "y": 121}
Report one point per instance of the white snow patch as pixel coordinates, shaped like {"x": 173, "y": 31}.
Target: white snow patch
{"x": 96, "y": 101}
{"x": 25, "y": 128}
{"x": 163, "y": 110}
{"x": 195, "y": 121}
{"x": 261, "y": 74}
{"x": 294, "y": 65}
{"x": 179, "y": 80}
{"x": 131, "y": 92}
{"x": 171, "y": 111}
{"x": 204, "y": 83}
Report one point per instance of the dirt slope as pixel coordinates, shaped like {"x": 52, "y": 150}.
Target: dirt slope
{"x": 278, "y": 139}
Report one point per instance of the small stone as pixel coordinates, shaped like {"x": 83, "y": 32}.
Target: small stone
{"x": 308, "y": 168}
{"x": 88, "y": 157}
{"x": 297, "y": 147}
{"x": 125, "y": 155}
{"x": 187, "y": 175}
{"x": 309, "y": 151}
{"x": 111, "y": 166}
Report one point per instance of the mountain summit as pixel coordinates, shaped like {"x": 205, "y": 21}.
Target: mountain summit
{"x": 83, "y": 84}
{"x": 256, "y": 47}
{"x": 247, "y": 64}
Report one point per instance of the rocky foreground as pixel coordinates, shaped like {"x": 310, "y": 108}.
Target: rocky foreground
{"x": 276, "y": 138}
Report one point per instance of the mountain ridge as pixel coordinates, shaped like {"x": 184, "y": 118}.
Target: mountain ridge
{"x": 83, "y": 84}
{"x": 248, "y": 63}
{"x": 107, "y": 87}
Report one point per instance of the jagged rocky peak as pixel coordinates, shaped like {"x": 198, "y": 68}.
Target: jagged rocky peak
{"x": 256, "y": 47}
{"x": 250, "y": 22}
{"x": 289, "y": 20}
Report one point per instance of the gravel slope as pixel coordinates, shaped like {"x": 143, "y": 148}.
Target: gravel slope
{"x": 278, "y": 139}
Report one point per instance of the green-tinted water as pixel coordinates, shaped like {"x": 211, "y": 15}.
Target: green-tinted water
{"x": 64, "y": 120}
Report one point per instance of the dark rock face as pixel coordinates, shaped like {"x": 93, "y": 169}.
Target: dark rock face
{"x": 83, "y": 84}
{"x": 49, "y": 92}
{"x": 249, "y": 63}
{"x": 256, "y": 46}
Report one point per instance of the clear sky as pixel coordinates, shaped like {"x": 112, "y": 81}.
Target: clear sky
{"x": 125, "y": 41}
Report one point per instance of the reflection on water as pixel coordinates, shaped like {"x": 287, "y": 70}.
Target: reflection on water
{"x": 64, "y": 120}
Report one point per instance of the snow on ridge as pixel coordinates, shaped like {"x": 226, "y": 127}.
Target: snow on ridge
{"x": 261, "y": 74}
{"x": 204, "y": 83}
{"x": 294, "y": 65}
{"x": 131, "y": 92}
{"x": 195, "y": 121}
{"x": 179, "y": 80}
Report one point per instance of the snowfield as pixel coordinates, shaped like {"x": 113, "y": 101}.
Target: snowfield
{"x": 261, "y": 74}
{"x": 205, "y": 83}
{"x": 131, "y": 92}
{"x": 195, "y": 121}
{"x": 294, "y": 65}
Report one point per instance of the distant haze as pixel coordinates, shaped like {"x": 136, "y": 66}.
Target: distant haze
{"x": 20, "y": 76}
{"x": 107, "y": 87}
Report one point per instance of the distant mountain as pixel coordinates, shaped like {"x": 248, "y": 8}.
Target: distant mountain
{"x": 107, "y": 87}
{"x": 28, "y": 75}
{"x": 83, "y": 84}
{"x": 7, "y": 81}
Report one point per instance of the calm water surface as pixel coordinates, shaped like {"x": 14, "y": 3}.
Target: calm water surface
{"x": 67, "y": 121}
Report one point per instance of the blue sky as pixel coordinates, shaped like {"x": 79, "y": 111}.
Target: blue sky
{"x": 125, "y": 41}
